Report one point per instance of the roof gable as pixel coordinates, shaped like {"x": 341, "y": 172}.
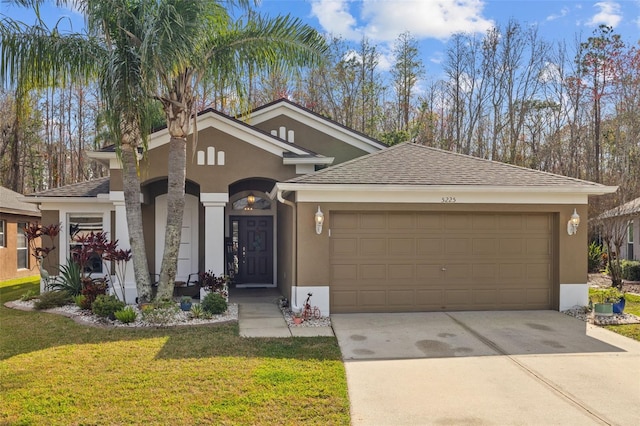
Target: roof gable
{"x": 315, "y": 121}
{"x": 241, "y": 130}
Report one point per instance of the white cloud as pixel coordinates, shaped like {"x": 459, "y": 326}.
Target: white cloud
{"x": 564, "y": 12}
{"x": 335, "y": 18}
{"x": 384, "y": 20}
{"x": 609, "y": 14}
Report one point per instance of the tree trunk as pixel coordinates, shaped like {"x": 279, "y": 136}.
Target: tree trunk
{"x": 131, "y": 186}
{"x": 175, "y": 210}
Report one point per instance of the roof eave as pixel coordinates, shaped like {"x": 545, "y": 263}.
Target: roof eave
{"x": 20, "y": 212}
{"x": 40, "y": 200}
{"x": 307, "y": 160}
{"x": 568, "y": 189}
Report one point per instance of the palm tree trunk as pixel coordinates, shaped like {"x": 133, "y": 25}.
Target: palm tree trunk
{"x": 131, "y": 186}
{"x": 175, "y": 209}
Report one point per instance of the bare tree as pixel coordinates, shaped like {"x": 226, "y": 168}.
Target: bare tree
{"x": 406, "y": 72}
{"x": 598, "y": 72}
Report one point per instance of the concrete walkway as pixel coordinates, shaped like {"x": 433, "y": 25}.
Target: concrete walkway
{"x": 259, "y": 316}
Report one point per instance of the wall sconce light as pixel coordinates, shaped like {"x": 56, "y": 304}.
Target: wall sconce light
{"x": 319, "y": 221}
{"x": 251, "y": 199}
{"x": 572, "y": 225}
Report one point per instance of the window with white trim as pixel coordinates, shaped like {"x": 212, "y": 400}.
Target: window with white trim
{"x": 630, "y": 254}
{"x": 3, "y": 228}
{"x": 82, "y": 225}
{"x": 22, "y": 247}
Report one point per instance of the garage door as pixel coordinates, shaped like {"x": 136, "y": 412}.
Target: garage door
{"x": 423, "y": 261}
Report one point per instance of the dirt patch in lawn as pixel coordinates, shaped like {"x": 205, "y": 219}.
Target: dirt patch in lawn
{"x": 604, "y": 281}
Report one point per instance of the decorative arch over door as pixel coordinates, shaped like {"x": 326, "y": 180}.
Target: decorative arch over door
{"x": 251, "y": 239}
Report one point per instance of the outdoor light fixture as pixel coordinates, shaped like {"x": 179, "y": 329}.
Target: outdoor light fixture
{"x": 250, "y": 200}
{"x": 572, "y": 225}
{"x": 319, "y": 221}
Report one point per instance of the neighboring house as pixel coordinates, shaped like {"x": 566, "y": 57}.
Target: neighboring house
{"x": 630, "y": 212}
{"x": 406, "y": 228}
{"x": 16, "y": 260}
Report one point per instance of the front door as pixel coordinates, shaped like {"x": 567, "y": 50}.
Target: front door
{"x": 252, "y": 239}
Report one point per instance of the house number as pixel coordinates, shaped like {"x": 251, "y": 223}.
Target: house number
{"x": 448, "y": 199}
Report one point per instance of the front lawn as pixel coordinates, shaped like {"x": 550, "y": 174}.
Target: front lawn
{"x": 55, "y": 371}
{"x": 632, "y": 307}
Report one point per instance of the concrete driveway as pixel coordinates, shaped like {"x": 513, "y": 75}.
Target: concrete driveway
{"x": 487, "y": 368}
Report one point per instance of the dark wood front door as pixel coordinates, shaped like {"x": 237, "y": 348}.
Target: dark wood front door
{"x": 252, "y": 238}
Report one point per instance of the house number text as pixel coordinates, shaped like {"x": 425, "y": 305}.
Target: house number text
{"x": 448, "y": 199}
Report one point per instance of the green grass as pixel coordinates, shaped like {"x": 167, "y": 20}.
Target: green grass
{"x": 57, "y": 372}
{"x": 630, "y": 330}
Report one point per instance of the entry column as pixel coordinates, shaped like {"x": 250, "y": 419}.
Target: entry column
{"x": 122, "y": 235}
{"x": 214, "y": 203}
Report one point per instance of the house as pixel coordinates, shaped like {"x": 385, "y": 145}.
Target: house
{"x": 630, "y": 213}
{"x": 284, "y": 197}
{"x": 16, "y": 260}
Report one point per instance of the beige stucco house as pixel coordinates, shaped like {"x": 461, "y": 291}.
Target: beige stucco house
{"x": 406, "y": 228}
{"x": 16, "y": 257}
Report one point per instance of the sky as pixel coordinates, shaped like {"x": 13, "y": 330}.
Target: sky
{"x": 431, "y": 22}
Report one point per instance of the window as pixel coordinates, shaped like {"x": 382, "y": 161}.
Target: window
{"x": 80, "y": 226}
{"x": 252, "y": 202}
{"x": 22, "y": 247}
{"x": 2, "y": 232}
{"x": 630, "y": 241}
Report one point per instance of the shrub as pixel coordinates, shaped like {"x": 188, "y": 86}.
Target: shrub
{"x": 52, "y": 299}
{"x": 91, "y": 290}
{"x": 106, "y": 306}
{"x": 214, "y": 303}
{"x": 606, "y": 295}
{"x": 79, "y": 300}
{"x": 197, "y": 311}
{"x": 126, "y": 315}
{"x": 630, "y": 270}
{"x": 69, "y": 279}
{"x": 161, "y": 315}
{"x": 29, "y": 295}
{"x": 595, "y": 259}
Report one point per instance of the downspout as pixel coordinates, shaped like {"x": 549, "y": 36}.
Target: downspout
{"x": 294, "y": 260}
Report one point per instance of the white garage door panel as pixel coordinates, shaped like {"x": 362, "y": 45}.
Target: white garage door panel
{"x": 417, "y": 261}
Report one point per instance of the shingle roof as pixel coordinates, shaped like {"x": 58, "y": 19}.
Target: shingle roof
{"x": 9, "y": 203}
{"x": 412, "y": 164}
{"x": 83, "y": 189}
{"x": 628, "y": 209}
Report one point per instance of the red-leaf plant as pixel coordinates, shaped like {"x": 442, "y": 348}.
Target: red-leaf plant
{"x": 120, "y": 258}
{"x": 32, "y": 232}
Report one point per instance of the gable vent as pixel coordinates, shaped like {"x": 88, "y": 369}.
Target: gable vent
{"x": 283, "y": 134}
{"x": 209, "y": 157}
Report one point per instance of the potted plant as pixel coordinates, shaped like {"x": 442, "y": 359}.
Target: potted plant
{"x": 604, "y": 301}
{"x": 185, "y": 303}
{"x": 618, "y": 300}
{"x": 209, "y": 283}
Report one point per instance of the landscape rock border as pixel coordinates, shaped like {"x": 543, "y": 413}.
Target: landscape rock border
{"x": 80, "y": 316}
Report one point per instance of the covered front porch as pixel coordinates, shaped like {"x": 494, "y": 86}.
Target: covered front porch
{"x": 230, "y": 233}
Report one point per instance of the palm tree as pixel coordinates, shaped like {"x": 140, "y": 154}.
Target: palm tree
{"x": 35, "y": 56}
{"x": 207, "y": 44}
{"x": 165, "y": 48}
